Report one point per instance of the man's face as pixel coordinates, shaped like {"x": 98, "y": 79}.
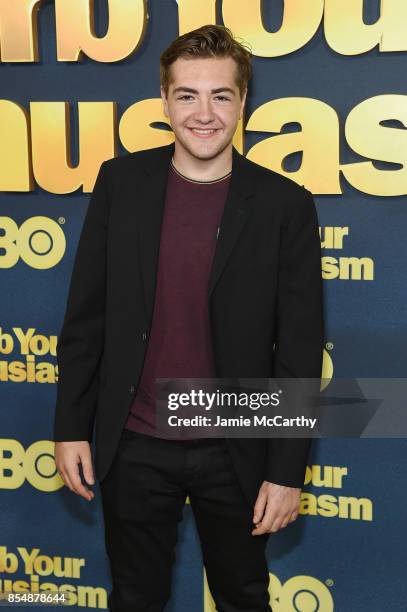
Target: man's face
{"x": 193, "y": 103}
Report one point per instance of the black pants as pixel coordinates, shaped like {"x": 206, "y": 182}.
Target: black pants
{"x": 143, "y": 497}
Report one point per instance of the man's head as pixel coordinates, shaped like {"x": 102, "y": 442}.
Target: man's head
{"x": 204, "y": 78}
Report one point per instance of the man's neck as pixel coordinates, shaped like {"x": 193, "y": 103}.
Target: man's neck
{"x": 202, "y": 169}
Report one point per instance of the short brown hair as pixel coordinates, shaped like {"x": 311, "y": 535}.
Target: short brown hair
{"x": 204, "y": 42}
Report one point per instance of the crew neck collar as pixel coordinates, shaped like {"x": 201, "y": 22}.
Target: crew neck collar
{"x": 190, "y": 180}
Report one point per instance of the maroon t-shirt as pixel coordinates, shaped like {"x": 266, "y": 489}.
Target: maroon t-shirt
{"x": 180, "y": 343}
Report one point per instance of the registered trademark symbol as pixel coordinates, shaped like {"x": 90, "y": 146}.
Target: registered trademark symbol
{"x": 329, "y": 582}
{"x": 329, "y": 346}
{"x": 280, "y": 391}
{"x": 61, "y": 220}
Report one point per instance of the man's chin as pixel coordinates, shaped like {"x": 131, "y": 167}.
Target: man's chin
{"x": 200, "y": 151}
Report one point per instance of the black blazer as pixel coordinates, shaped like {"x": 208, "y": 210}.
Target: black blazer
{"x": 265, "y": 303}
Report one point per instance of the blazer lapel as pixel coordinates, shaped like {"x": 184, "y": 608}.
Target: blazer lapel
{"x": 151, "y": 200}
{"x": 150, "y": 215}
{"x": 235, "y": 214}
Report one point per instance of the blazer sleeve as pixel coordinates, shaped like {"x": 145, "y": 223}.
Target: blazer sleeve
{"x": 81, "y": 339}
{"x": 300, "y": 327}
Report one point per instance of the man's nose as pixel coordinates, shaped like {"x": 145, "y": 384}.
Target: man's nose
{"x": 205, "y": 112}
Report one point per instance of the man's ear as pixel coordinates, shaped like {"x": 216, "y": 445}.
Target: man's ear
{"x": 164, "y": 101}
{"x": 243, "y": 102}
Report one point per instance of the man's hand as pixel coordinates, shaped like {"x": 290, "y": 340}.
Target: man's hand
{"x": 275, "y": 507}
{"x": 68, "y": 456}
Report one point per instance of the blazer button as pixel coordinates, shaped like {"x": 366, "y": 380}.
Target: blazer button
{"x": 144, "y": 336}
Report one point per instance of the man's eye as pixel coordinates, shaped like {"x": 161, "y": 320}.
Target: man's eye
{"x": 189, "y": 96}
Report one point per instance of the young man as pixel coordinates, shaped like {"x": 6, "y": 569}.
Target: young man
{"x": 193, "y": 262}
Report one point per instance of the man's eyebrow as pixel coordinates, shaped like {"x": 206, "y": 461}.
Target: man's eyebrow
{"x": 195, "y": 91}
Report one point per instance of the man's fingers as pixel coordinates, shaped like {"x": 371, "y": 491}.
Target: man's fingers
{"x": 78, "y": 487}
{"x": 65, "y": 477}
{"x": 268, "y": 519}
{"x": 86, "y": 461}
{"x": 282, "y": 507}
{"x": 68, "y": 456}
{"x": 87, "y": 470}
{"x": 278, "y": 523}
{"x": 272, "y": 522}
{"x": 71, "y": 477}
{"x": 259, "y": 507}
{"x": 261, "y": 528}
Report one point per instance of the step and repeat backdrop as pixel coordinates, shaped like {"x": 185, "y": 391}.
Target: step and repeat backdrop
{"x": 79, "y": 83}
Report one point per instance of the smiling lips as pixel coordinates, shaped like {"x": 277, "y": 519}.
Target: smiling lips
{"x": 203, "y": 133}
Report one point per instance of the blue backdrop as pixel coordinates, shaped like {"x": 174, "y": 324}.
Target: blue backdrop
{"x": 345, "y": 552}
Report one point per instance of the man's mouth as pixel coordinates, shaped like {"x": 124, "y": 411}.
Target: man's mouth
{"x": 203, "y": 133}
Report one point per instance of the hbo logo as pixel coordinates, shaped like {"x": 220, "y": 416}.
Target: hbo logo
{"x": 39, "y": 241}
{"x": 35, "y": 464}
